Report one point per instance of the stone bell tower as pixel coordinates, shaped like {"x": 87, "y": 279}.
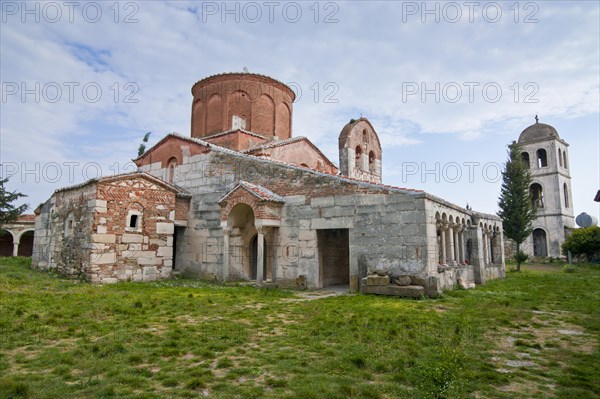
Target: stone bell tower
{"x": 546, "y": 155}
{"x": 360, "y": 151}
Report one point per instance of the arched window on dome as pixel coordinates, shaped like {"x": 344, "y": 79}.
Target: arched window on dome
{"x": 566, "y": 195}
{"x": 365, "y": 136}
{"x": 358, "y": 157}
{"x": 542, "y": 159}
{"x": 537, "y": 195}
{"x": 171, "y": 165}
{"x": 525, "y": 158}
{"x": 565, "y": 159}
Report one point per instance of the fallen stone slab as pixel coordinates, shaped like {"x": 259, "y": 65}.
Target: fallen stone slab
{"x": 408, "y": 291}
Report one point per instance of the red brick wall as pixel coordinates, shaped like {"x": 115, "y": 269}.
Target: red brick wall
{"x": 299, "y": 153}
{"x": 265, "y": 102}
{"x": 237, "y": 140}
{"x": 172, "y": 147}
{"x": 182, "y": 207}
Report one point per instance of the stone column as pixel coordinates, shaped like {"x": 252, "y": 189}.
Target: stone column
{"x": 226, "y": 252}
{"x": 460, "y": 243}
{"x": 260, "y": 255}
{"x": 443, "y": 244}
{"x": 15, "y": 248}
{"x": 485, "y": 247}
{"x": 451, "y": 244}
{"x": 456, "y": 248}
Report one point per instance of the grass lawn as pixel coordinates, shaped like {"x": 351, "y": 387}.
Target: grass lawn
{"x": 533, "y": 335}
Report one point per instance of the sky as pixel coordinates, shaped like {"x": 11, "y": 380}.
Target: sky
{"x": 446, "y": 85}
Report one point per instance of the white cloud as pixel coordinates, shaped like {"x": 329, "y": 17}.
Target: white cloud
{"x": 371, "y": 54}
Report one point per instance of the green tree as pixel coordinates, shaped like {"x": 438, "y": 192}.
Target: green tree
{"x": 584, "y": 241}
{"x": 516, "y": 208}
{"x": 142, "y": 147}
{"x": 8, "y": 212}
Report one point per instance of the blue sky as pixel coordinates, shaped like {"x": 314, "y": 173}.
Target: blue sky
{"x": 447, "y": 85}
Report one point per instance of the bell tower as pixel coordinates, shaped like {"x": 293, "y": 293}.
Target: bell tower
{"x": 546, "y": 155}
{"x": 360, "y": 151}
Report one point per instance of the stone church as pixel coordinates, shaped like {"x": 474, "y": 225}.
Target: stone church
{"x": 545, "y": 153}
{"x": 241, "y": 198}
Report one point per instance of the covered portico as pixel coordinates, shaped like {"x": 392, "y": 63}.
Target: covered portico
{"x": 250, "y": 219}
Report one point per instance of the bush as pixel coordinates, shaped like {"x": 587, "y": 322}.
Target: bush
{"x": 521, "y": 257}
{"x": 584, "y": 241}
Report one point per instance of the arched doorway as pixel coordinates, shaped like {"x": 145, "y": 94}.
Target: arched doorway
{"x": 243, "y": 233}
{"x": 6, "y": 243}
{"x": 26, "y": 244}
{"x": 253, "y": 249}
{"x": 540, "y": 247}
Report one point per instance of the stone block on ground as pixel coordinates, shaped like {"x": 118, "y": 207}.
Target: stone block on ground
{"x": 403, "y": 280}
{"x": 374, "y": 280}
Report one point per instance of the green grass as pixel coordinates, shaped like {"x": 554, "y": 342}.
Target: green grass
{"x": 184, "y": 338}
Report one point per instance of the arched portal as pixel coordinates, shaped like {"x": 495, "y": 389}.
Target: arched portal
{"x": 6, "y": 243}
{"x": 240, "y": 223}
{"x": 26, "y": 244}
{"x": 540, "y": 247}
{"x": 253, "y": 249}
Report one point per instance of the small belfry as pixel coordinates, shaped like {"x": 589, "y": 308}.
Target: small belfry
{"x": 546, "y": 155}
{"x": 360, "y": 151}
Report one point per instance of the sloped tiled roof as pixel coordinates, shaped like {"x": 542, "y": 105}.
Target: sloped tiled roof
{"x": 260, "y": 192}
{"x": 281, "y": 143}
{"x": 233, "y": 131}
{"x": 180, "y": 191}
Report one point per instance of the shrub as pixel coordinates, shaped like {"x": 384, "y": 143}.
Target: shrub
{"x": 521, "y": 257}
{"x": 585, "y": 241}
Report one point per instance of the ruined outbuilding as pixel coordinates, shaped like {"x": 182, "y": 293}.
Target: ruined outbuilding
{"x": 242, "y": 199}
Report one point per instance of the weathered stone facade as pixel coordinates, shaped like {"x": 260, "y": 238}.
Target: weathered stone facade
{"x": 274, "y": 211}
{"x": 111, "y": 229}
{"x": 387, "y": 228}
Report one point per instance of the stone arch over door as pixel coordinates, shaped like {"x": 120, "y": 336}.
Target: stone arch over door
{"x": 25, "y": 242}
{"x": 249, "y": 210}
{"x": 241, "y": 230}
{"x": 540, "y": 242}
{"x": 6, "y": 243}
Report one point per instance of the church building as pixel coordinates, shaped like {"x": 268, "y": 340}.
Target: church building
{"x": 545, "y": 154}
{"x": 242, "y": 199}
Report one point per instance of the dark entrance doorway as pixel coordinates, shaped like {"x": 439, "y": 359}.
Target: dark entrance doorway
{"x": 179, "y": 231}
{"x": 26, "y": 244}
{"x": 539, "y": 243}
{"x": 254, "y": 258}
{"x": 6, "y": 243}
{"x": 334, "y": 256}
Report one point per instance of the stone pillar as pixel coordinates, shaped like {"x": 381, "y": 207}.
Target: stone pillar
{"x": 484, "y": 238}
{"x": 15, "y": 248}
{"x": 461, "y": 252}
{"x": 456, "y": 246}
{"x": 451, "y": 244}
{"x": 226, "y": 252}
{"x": 260, "y": 255}
{"x": 443, "y": 244}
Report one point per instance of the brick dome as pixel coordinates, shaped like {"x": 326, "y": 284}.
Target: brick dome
{"x": 246, "y": 101}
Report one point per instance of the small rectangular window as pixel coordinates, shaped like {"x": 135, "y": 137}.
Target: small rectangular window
{"x": 133, "y": 221}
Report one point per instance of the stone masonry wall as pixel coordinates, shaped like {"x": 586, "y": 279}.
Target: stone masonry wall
{"x": 375, "y": 216}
